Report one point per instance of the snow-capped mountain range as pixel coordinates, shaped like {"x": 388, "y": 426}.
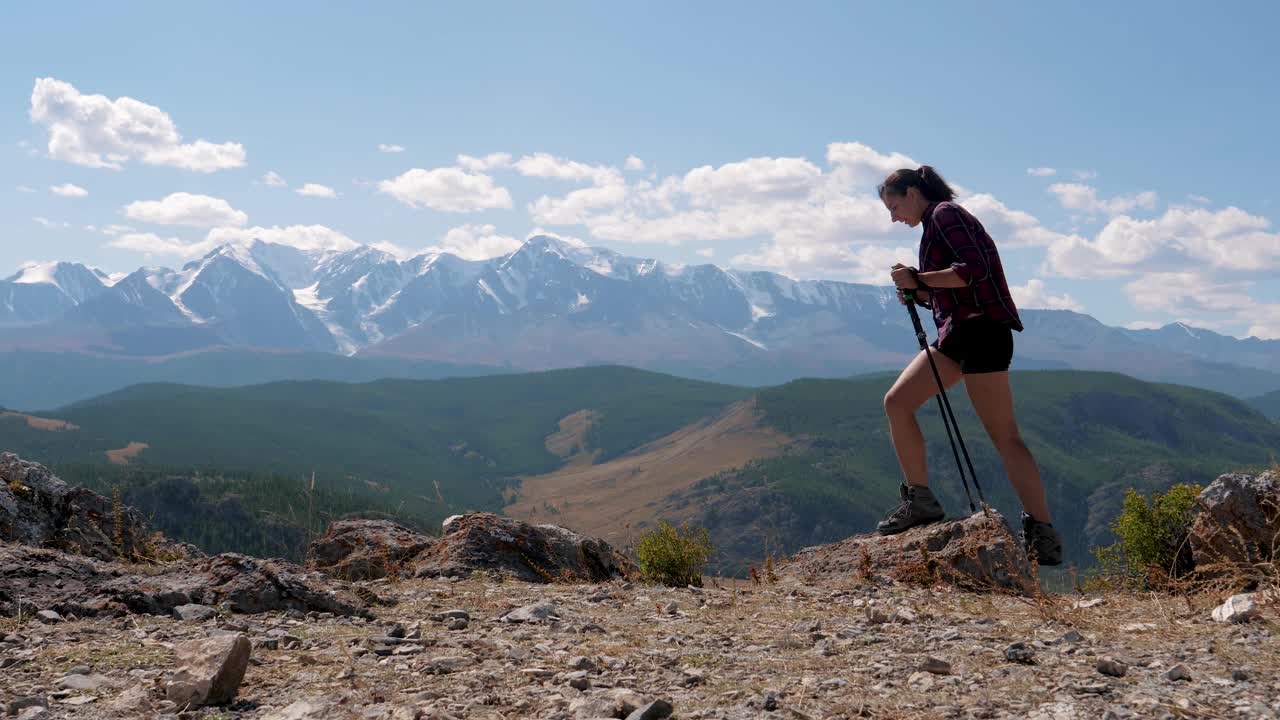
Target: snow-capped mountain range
{"x": 549, "y": 303}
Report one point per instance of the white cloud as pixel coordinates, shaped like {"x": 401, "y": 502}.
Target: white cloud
{"x": 316, "y": 190}
{"x": 96, "y": 131}
{"x": 751, "y": 180}
{"x": 304, "y": 237}
{"x": 273, "y": 179}
{"x": 863, "y": 264}
{"x": 1010, "y": 228}
{"x": 1034, "y": 295}
{"x": 1143, "y": 325}
{"x": 382, "y": 147}
{"x": 1085, "y": 174}
{"x": 1198, "y": 199}
{"x": 448, "y": 189}
{"x": 1223, "y": 240}
{"x": 46, "y": 222}
{"x": 633, "y": 163}
{"x": 117, "y": 230}
{"x": 707, "y": 252}
{"x": 68, "y": 190}
{"x": 1075, "y": 196}
{"x": 152, "y": 244}
{"x": 475, "y": 242}
{"x": 25, "y": 189}
{"x": 182, "y": 208}
{"x": 545, "y": 165}
{"x": 488, "y": 162}
{"x": 1042, "y": 171}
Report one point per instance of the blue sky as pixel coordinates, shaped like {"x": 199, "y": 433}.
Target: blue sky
{"x": 745, "y": 134}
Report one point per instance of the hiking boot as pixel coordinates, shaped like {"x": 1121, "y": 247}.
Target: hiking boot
{"x": 1041, "y": 540}
{"x": 919, "y": 507}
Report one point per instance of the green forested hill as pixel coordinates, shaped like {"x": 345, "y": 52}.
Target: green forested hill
{"x": 421, "y": 450}
{"x": 1268, "y": 404}
{"x": 434, "y": 447}
{"x": 1093, "y": 434}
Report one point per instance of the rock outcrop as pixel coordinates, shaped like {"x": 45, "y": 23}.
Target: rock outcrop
{"x": 366, "y": 549}
{"x": 60, "y": 549}
{"x": 1238, "y": 524}
{"x": 32, "y": 579}
{"x": 39, "y": 509}
{"x": 470, "y": 543}
{"x": 978, "y": 552}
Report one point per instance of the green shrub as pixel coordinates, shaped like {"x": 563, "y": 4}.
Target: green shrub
{"x": 672, "y": 557}
{"x": 1151, "y": 539}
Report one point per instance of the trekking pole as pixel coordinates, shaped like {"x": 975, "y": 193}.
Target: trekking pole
{"x": 944, "y": 406}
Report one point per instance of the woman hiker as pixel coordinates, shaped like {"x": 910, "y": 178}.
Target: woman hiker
{"x": 961, "y": 280}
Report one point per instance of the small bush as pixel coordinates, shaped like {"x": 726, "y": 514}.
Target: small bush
{"x": 1151, "y": 540}
{"x": 672, "y": 557}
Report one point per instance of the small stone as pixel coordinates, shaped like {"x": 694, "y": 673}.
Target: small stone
{"x": 1071, "y": 636}
{"x": 38, "y": 712}
{"x": 936, "y": 666}
{"x": 1112, "y": 667}
{"x": 1240, "y": 675}
{"x": 48, "y": 617}
{"x": 537, "y": 612}
{"x": 82, "y": 682}
{"x": 133, "y": 702}
{"x": 770, "y": 702}
{"x": 209, "y": 670}
{"x": 396, "y": 631}
{"x": 920, "y": 681}
{"x": 825, "y": 647}
{"x": 670, "y": 608}
{"x": 1019, "y": 652}
{"x": 656, "y": 710}
{"x": 1237, "y": 608}
{"x": 1177, "y": 672}
{"x": 1091, "y": 602}
{"x": 19, "y": 704}
{"x": 194, "y": 613}
{"x": 1137, "y": 627}
{"x": 581, "y": 662}
{"x": 457, "y": 624}
{"x": 578, "y": 680}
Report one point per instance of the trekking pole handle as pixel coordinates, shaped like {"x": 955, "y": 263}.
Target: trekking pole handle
{"x": 910, "y": 295}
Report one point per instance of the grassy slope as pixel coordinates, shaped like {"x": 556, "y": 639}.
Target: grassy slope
{"x": 1091, "y": 433}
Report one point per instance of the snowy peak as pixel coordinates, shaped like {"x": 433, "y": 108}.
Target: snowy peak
{"x": 75, "y": 280}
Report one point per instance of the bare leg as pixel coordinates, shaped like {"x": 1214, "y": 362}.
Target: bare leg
{"x": 993, "y": 400}
{"x": 913, "y": 388}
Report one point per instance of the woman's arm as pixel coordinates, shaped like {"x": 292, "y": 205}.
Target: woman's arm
{"x": 948, "y": 278}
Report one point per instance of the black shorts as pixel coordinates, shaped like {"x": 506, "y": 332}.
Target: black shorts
{"x": 979, "y": 346}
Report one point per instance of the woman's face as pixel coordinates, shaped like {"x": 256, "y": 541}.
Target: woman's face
{"x": 908, "y": 208}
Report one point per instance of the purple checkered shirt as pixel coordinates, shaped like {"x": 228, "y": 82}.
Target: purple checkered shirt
{"x": 953, "y": 238}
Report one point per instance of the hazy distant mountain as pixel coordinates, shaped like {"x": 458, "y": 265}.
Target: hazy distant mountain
{"x": 553, "y": 304}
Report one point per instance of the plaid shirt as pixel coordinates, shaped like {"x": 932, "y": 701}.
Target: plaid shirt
{"x": 953, "y": 238}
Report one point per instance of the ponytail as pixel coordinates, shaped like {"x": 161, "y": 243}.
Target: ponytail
{"x": 926, "y": 179}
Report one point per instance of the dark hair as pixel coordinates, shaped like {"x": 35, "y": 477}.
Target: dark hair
{"x": 930, "y": 183}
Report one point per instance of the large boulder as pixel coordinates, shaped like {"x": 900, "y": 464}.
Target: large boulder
{"x": 36, "y": 579}
{"x": 1238, "y": 524}
{"x": 978, "y": 552}
{"x": 516, "y": 549}
{"x": 366, "y": 549}
{"x": 39, "y": 509}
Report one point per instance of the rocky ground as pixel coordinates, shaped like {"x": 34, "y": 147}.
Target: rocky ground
{"x": 501, "y": 619}
{"x": 788, "y": 650}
